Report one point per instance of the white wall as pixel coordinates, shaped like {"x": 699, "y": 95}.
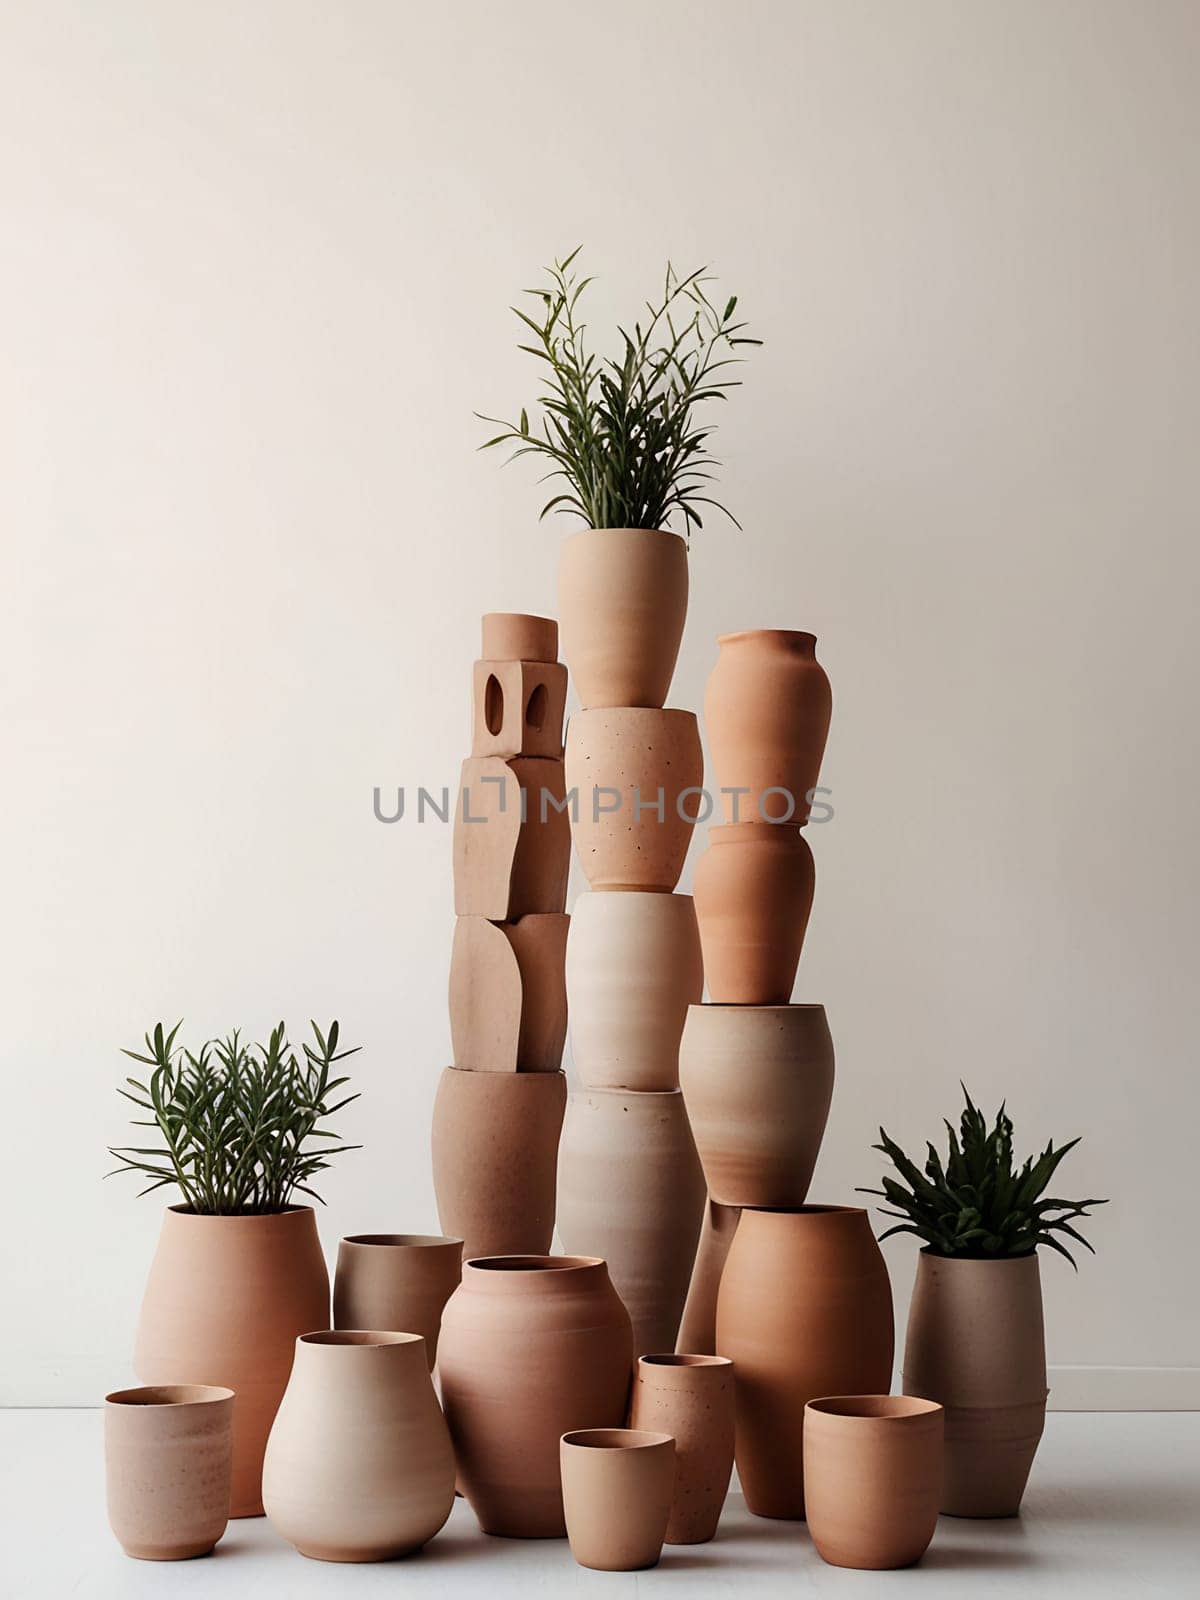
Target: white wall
{"x": 255, "y": 277}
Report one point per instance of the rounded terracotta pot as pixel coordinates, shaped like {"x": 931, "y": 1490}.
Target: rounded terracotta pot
{"x": 617, "y": 1489}
{"x": 804, "y": 1310}
{"x": 495, "y": 1155}
{"x": 758, "y": 1081}
{"x": 754, "y": 892}
{"x": 532, "y": 1347}
{"x": 399, "y": 1281}
{"x": 767, "y": 709}
{"x": 637, "y": 775}
{"x": 633, "y": 968}
{"x": 224, "y": 1303}
{"x": 976, "y": 1344}
{"x": 359, "y": 1466}
{"x": 698, "y": 1326}
{"x": 872, "y": 1478}
{"x": 630, "y": 1190}
{"x": 690, "y": 1397}
{"x": 622, "y": 601}
{"x": 168, "y": 1456}
{"x": 517, "y": 636}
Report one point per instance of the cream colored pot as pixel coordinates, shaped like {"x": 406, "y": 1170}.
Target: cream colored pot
{"x": 622, "y": 602}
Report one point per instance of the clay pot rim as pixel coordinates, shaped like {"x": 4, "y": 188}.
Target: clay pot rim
{"x": 183, "y": 1210}
{"x": 548, "y": 1264}
{"x": 816, "y": 1209}
{"x": 400, "y": 1241}
{"x": 359, "y": 1338}
{"x": 790, "y": 635}
{"x": 629, "y": 1094}
{"x": 615, "y": 1439}
{"x": 183, "y": 1394}
{"x": 676, "y": 712}
{"x": 978, "y": 1261}
{"x": 658, "y": 533}
{"x": 678, "y": 1359}
{"x": 868, "y": 1408}
{"x": 736, "y": 1005}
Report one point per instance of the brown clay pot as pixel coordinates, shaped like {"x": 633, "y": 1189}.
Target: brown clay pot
{"x": 767, "y": 709}
{"x": 622, "y": 601}
{"x": 754, "y": 892}
{"x": 617, "y": 1487}
{"x": 532, "y": 1347}
{"x": 224, "y": 1303}
{"x": 512, "y": 838}
{"x": 631, "y": 1191}
{"x": 517, "y": 708}
{"x": 399, "y": 1281}
{"x": 691, "y": 1397}
{"x": 698, "y": 1326}
{"x": 625, "y": 764}
{"x": 168, "y": 1456}
{"x": 976, "y": 1344}
{"x": 508, "y": 994}
{"x": 758, "y": 1081}
{"x": 872, "y": 1478}
{"x": 516, "y": 636}
{"x": 804, "y": 1310}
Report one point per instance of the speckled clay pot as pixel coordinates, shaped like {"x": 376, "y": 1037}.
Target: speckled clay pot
{"x": 691, "y": 1397}
{"x": 398, "y": 1281}
{"x": 754, "y": 891}
{"x": 622, "y": 601}
{"x": 168, "y": 1455}
{"x": 617, "y": 1485}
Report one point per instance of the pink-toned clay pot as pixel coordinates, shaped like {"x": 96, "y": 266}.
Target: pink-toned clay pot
{"x": 168, "y": 1454}
{"x": 516, "y": 636}
{"x": 754, "y": 892}
{"x": 698, "y": 1327}
{"x": 508, "y": 995}
{"x": 399, "y": 1281}
{"x": 691, "y": 1397}
{"x": 622, "y": 601}
{"x": 617, "y": 1490}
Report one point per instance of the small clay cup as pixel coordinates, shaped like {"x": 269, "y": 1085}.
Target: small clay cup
{"x": 617, "y": 1489}
{"x": 168, "y": 1454}
{"x": 396, "y": 1280}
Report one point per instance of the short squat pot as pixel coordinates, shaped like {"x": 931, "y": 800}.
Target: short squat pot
{"x": 617, "y": 1490}
{"x": 168, "y": 1454}
{"x": 691, "y": 1397}
{"x": 754, "y": 892}
{"x": 399, "y": 1281}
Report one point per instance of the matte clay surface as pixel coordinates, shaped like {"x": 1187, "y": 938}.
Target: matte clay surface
{"x": 512, "y": 843}
{"x": 168, "y": 1455}
{"x": 698, "y": 1327}
{"x": 508, "y": 993}
{"x": 690, "y": 1397}
{"x": 754, "y": 891}
{"x": 617, "y": 1486}
{"x": 517, "y": 708}
{"x": 399, "y": 1281}
{"x": 518, "y": 636}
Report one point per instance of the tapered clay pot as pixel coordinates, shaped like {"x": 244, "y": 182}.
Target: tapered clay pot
{"x": 622, "y": 601}
{"x": 872, "y": 1478}
{"x": 495, "y": 1156}
{"x": 359, "y": 1466}
{"x": 168, "y": 1456}
{"x": 767, "y": 709}
{"x": 631, "y": 1191}
{"x": 617, "y": 1489}
{"x": 976, "y": 1344}
{"x": 804, "y": 1310}
{"x": 516, "y": 636}
{"x": 758, "y": 1081}
{"x": 691, "y": 1397}
{"x": 633, "y": 968}
{"x": 637, "y": 775}
{"x": 698, "y": 1327}
{"x": 399, "y": 1281}
{"x": 754, "y": 891}
{"x": 508, "y": 996}
{"x": 532, "y": 1346}
{"x": 225, "y": 1301}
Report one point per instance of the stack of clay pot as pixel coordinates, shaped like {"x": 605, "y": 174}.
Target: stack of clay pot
{"x": 499, "y": 1109}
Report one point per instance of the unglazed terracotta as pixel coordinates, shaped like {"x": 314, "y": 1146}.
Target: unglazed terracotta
{"x": 804, "y": 1310}
{"x": 872, "y": 1478}
{"x": 698, "y": 1326}
{"x": 976, "y": 1344}
{"x": 168, "y": 1454}
{"x": 690, "y": 1397}
{"x": 617, "y": 1488}
{"x": 495, "y": 1157}
{"x": 517, "y": 636}
{"x": 758, "y": 1081}
{"x": 359, "y": 1466}
{"x": 767, "y": 709}
{"x": 399, "y": 1281}
{"x": 508, "y": 993}
{"x": 512, "y": 838}
{"x": 633, "y": 967}
{"x": 631, "y": 1191}
{"x": 625, "y": 764}
{"x": 622, "y": 601}
{"x": 754, "y": 892}
{"x": 517, "y": 708}
{"x": 224, "y": 1303}
{"x": 532, "y": 1347}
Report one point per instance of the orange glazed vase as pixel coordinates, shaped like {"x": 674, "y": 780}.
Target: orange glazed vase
{"x": 753, "y": 892}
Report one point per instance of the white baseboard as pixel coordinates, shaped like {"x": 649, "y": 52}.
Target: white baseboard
{"x": 1124, "y": 1389}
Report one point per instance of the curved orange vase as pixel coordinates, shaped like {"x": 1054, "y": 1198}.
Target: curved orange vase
{"x": 753, "y": 892}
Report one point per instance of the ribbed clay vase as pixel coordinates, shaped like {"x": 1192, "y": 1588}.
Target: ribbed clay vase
{"x": 637, "y": 775}
{"x": 622, "y": 602}
{"x": 691, "y": 1397}
{"x": 754, "y": 892}
{"x": 976, "y": 1345}
{"x": 630, "y": 1190}
{"x": 399, "y": 1281}
{"x": 698, "y": 1327}
{"x": 767, "y": 710}
{"x": 758, "y": 1081}
{"x": 633, "y": 968}
{"x": 804, "y": 1310}
{"x": 168, "y": 1458}
{"x": 224, "y": 1303}
{"x": 532, "y": 1347}
{"x": 359, "y": 1466}
{"x": 617, "y": 1485}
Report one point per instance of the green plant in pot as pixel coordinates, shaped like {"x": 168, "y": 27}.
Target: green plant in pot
{"x": 975, "y": 1339}
{"x": 238, "y": 1274}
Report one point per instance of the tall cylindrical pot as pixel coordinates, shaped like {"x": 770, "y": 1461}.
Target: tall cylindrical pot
{"x": 754, "y": 892}
{"x": 691, "y": 1397}
{"x": 399, "y": 1281}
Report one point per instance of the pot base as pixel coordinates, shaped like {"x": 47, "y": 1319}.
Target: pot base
{"x": 344, "y": 1557}
{"x": 184, "y": 1552}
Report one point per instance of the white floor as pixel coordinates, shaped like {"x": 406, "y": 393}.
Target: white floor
{"x": 1113, "y": 1510}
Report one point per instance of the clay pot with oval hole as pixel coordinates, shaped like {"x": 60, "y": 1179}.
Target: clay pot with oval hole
{"x": 168, "y": 1454}
{"x": 691, "y": 1397}
{"x": 754, "y": 891}
{"x": 399, "y": 1281}
{"x": 622, "y": 602}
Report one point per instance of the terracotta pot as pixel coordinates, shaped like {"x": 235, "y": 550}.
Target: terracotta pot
{"x": 754, "y": 891}
{"x": 758, "y": 1081}
{"x": 495, "y": 1155}
{"x": 168, "y": 1455}
{"x": 224, "y": 1303}
{"x": 532, "y": 1346}
{"x": 698, "y": 1327}
{"x": 976, "y": 1344}
{"x": 804, "y": 1310}
{"x": 508, "y": 995}
{"x": 516, "y": 636}
{"x": 633, "y": 968}
{"x": 630, "y": 1190}
{"x": 518, "y": 708}
{"x": 767, "y": 709}
{"x": 359, "y": 1466}
{"x": 872, "y": 1478}
{"x": 617, "y": 1487}
{"x": 690, "y": 1397}
{"x": 512, "y": 838}
{"x": 399, "y": 1281}
{"x": 622, "y": 601}
{"x": 632, "y": 771}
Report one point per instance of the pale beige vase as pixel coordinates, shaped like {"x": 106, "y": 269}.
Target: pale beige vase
{"x": 617, "y": 1490}
{"x": 168, "y": 1454}
{"x": 691, "y": 1397}
{"x": 698, "y": 1327}
{"x": 359, "y": 1466}
{"x": 399, "y": 1281}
